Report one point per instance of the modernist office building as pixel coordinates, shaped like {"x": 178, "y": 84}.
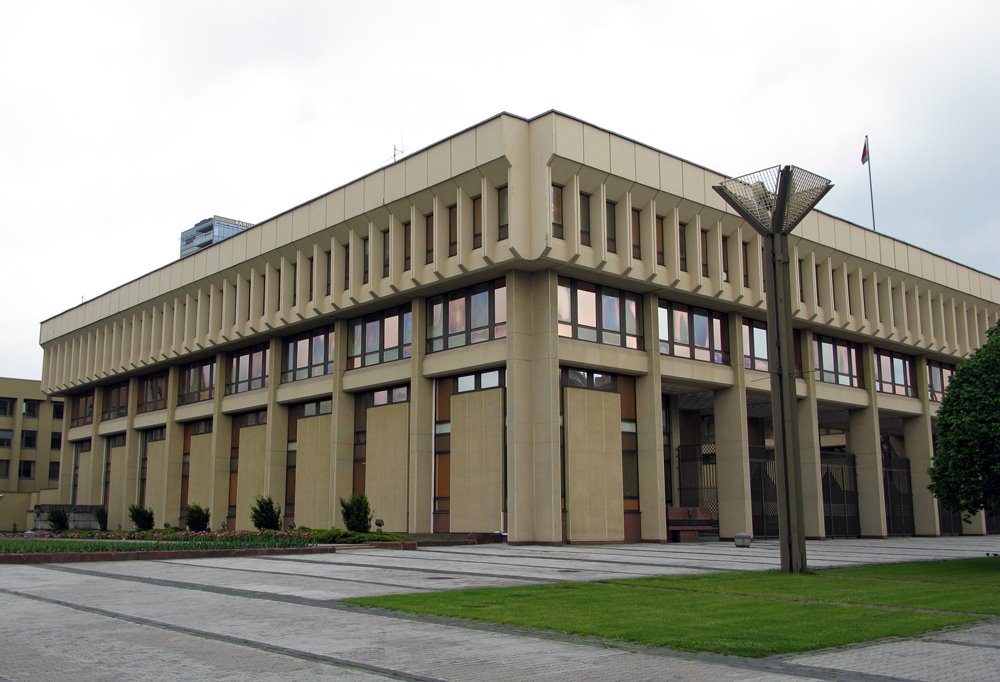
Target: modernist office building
{"x": 536, "y": 327}
{"x": 31, "y": 431}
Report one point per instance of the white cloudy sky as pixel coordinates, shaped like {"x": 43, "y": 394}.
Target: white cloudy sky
{"x": 124, "y": 123}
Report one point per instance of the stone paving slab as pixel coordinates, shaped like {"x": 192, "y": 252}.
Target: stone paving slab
{"x": 279, "y": 618}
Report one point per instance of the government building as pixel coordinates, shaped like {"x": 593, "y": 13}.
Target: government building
{"x": 535, "y": 327}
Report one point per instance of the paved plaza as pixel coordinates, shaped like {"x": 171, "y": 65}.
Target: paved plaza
{"x": 281, "y": 618}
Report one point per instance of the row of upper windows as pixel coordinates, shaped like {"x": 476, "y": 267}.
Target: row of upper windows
{"x": 26, "y": 469}
{"x": 29, "y": 408}
{"x": 29, "y": 439}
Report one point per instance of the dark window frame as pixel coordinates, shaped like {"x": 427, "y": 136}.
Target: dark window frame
{"x": 715, "y": 331}
{"x": 291, "y": 370}
{"x": 444, "y": 338}
{"x": 358, "y": 352}
{"x": 570, "y": 326}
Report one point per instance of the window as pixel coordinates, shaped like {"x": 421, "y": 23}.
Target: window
{"x": 467, "y": 316}
{"x": 57, "y": 410}
{"x": 30, "y": 408}
{"x": 938, "y": 377}
{"x": 29, "y": 439}
{"x": 477, "y": 222}
{"x": 704, "y": 253}
{"x": 838, "y": 361}
{"x": 894, "y": 373}
{"x": 83, "y": 409}
{"x": 197, "y": 382}
{"x": 115, "y": 401}
{"x": 429, "y": 237}
{"x": 612, "y": 226}
{"x": 682, "y": 246}
{"x": 4, "y": 468}
{"x": 755, "y": 345}
{"x": 308, "y": 355}
{"x": 26, "y": 470}
{"x": 745, "y": 255}
{"x": 636, "y": 231}
{"x": 503, "y": 210}
{"x": 54, "y": 471}
{"x": 55, "y": 442}
{"x": 802, "y": 281}
{"x": 247, "y": 370}
{"x": 152, "y": 392}
{"x": 725, "y": 259}
{"x": 329, "y": 280}
{"x": 407, "y": 246}
{"x": 385, "y": 253}
{"x": 453, "y": 230}
{"x": 557, "y": 211}
{"x": 478, "y": 381}
{"x": 584, "y": 219}
{"x": 116, "y": 440}
{"x": 347, "y": 267}
{"x": 660, "y": 255}
{"x": 152, "y": 435}
{"x": 365, "y": 257}
{"x": 380, "y": 337}
{"x": 594, "y": 313}
{"x": 690, "y": 332}
{"x": 6, "y": 438}
{"x": 7, "y": 407}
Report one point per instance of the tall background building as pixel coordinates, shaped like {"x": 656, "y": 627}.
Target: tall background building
{"x": 210, "y": 231}
{"x": 535, "y": 327}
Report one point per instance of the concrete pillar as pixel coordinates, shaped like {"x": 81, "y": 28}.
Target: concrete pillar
{"x": 649, "y": 414}
{"x": 810, "y": 463}
{"x": 732, "y": 445}
{"x": 863, "y": 440}
{"x": 533, "y": 457}
{"x": 341, "y": 432}
{"x": 918, "y": 437}
{"x": 421, "y": 447}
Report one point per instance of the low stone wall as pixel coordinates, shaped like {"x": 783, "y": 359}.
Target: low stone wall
{"x": 81, "y": 516}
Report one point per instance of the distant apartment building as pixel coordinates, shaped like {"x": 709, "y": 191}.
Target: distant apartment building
{"x": 210, "y": 231}
{"x": 31, "y": 431}
{"x": 535, "y": 327}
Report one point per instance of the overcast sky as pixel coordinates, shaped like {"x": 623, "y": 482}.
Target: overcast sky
{"x": 124, "y": 123}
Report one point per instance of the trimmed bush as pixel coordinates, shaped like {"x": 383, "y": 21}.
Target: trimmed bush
{"x": 102, "y": 517}
{"x": 265, "y": 514}
{"x": 195, "y": 518}
{"x": 357, "y": 513}
{"x": 142, "y": 517}
{"x": 59, "y": 519}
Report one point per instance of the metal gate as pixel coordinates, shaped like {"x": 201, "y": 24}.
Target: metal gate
{"x": 840, "y": 495}
{"x": 763, "y": 492}
{"x": 992, "y": 523}
{"x": 696, "y": 482}
{"x": 950, "y": 521}
{"x": 898, "y": 493}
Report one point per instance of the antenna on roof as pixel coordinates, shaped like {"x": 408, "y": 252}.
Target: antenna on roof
{"x": 398, "y": 151}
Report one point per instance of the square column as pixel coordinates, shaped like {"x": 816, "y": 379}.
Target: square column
{"x": 864, "y": 441}
{"x": 810, "y": 458}
{"x": 649, "y": 414}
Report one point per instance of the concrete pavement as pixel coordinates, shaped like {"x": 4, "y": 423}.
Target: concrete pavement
{"x": 280, "y": 618}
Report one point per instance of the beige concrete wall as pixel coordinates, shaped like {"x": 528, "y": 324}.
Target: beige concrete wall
{"x": 477, "y": 421}
{"x": 250, "y": 481}
{"x": 593, "y": 466}
{"x": 314, "y": 501}
{"x": 200, "y": 473}
{"x": 386, "y": 466}
{"x": 14, "y": 509}
{"x": 115, "y": 503}
{"x": 87, "y": 484}
{"x": 156, "y": 482}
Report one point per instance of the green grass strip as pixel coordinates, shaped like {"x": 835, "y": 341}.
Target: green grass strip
{"x": 746, "y": 614}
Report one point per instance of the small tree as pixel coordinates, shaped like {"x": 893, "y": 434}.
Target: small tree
{"x": 357, "y": 513}
{"x": 59, "y": 519}
{"x": 141, "y": 517}
{"x": 265, "y": 514}
{"x": 195, "y": 517}
{"x": 965, "y": 476}
{"x": 101, "y": 513}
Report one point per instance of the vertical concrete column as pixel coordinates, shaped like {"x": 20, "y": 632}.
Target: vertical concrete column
{"x": 66, "y": 456}
{"x": 174, "y": 451}
{"x": 918, "y": 437}
{"x": 533, "y": 457}
{"x": 810, "y": 461}
{"x": 221, "y": 443}
{"x": 341, "y": 431}
{"x": 129, "y": 492}
{"x": 863, "y": 440}
{"x": 674, "y": 415}
{"x": 91, "y": 471}
{"x": 421, "y": 448}
{"x": 276, "y": 438}
{"x": 732, "y": 444}
{"x": 652, "y": 495}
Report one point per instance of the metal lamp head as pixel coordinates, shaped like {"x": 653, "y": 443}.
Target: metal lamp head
{"x": 776, "y": 199}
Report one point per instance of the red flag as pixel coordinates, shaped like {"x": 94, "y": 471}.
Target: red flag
{"x": 864, "y": 153}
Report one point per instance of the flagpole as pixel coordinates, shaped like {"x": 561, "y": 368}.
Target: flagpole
{"x": 871, "y": 194}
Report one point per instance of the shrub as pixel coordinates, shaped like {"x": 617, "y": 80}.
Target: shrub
{"x": 142, "y": 517}
{"x": 195, "y": 518}
{"x": 102, "y": 517}
{"x": 357, "y": 513}
{"x": 265, "y": 514}
{"x": 59, "y": 519}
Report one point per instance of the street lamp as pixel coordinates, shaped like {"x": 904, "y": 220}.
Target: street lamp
{"x": 774, "y": 201}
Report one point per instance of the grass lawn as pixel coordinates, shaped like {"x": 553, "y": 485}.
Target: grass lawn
{"x": 746, "y": 614}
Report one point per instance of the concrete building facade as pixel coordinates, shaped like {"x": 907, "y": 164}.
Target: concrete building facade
{"x": 535, "y": 327}
{"x": 31, "y": 431}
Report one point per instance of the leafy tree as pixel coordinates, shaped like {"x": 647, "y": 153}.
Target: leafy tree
{"x": 965, "y": 476}
{"x": 265, "y": 514}
{"x": 142, "y": 517}
{"x": 357, "y": 513}
{"x": 58, "y": 519}
{"x": 195, "y": 518}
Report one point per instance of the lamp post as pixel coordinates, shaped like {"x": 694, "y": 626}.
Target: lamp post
{"x": 774, "y": 201}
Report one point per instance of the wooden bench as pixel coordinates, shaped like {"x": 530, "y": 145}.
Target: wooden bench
{"x": 685, "y": 523}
